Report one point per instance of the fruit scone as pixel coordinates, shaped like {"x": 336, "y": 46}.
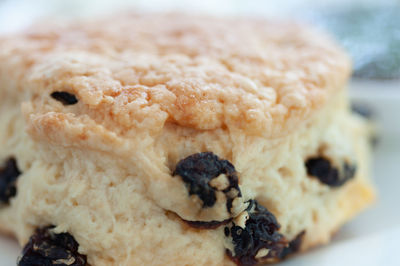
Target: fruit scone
{"x": 171, "y": 139}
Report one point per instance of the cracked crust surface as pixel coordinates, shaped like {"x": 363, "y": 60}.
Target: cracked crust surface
{"x": 143, "y": 71}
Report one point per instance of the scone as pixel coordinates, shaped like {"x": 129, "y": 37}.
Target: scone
{"x": 170, "y": 139}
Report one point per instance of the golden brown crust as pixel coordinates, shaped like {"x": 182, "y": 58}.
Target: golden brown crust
{"x": 142, "y": 71}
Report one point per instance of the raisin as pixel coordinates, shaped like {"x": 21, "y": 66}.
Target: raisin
{"x": 260, "y": 233}
{"x": 366, "y": 112}
{"x": 199, "y": 169}
{"x": 8, "y": 177}
{"x": 64, "y": 97}
{"x": 327, "y": 174}
{"x": 48, "y": 248}
{"x": 227, "y": 231}
{"x": 293, "y": 246}
{"x": 363, "y": 110}
{"x": 206, "y": 225}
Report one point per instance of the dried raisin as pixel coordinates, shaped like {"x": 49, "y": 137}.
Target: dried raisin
{"x": 206, "y": 225}
{"x": 259, "y": 240}
{"x": 322, "y": 169}
{"x": 48, "y": 248}
{"x": 293, "y": 246}
{"x": 363, "y": 110}
{"x": 198, "y": 171}
{"x": 366, "y": 112}
{"x": 8, "y": 177}
{"x": 64, "y": 97}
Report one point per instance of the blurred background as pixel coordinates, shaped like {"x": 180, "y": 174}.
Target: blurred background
{"x": 368, "y": 30}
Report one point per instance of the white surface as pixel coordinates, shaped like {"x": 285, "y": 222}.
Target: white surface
{"x": 372, "y": 238}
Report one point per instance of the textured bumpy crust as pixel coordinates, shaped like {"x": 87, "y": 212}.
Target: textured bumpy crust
{"x": 153, "y": 89}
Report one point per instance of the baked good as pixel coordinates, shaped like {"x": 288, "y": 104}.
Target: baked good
{"x": 171, "y": 139}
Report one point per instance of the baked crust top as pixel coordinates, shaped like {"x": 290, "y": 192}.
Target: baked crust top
{"x": 137, "y": 72}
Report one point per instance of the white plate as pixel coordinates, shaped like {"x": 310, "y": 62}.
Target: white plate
{"x": 370, "y": 239}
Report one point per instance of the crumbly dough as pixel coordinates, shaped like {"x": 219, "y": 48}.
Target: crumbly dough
{"x": 153, "y": 89}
